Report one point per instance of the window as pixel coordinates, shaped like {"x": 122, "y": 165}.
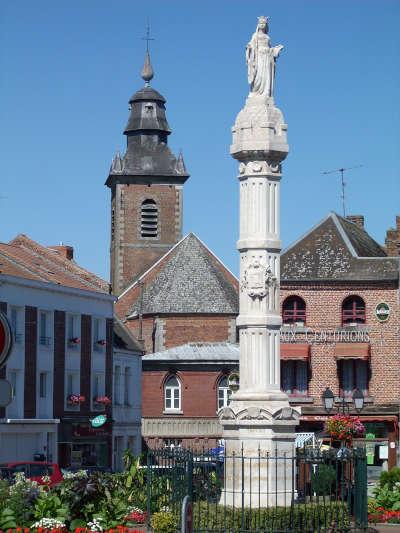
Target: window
{"x": 117, "y": 385}
{"x": 149, "y": 219}
{"x": 294, "y": 310}
{"x": 127, "y": 384}
{"x": 172, "y": 394}
{"x": 72, "y": 331}
{"x": 98, "y": 340}
{"x": 98, "y": 390}
{"x": 44, "y": 325}
{"x": 353, "y": 311}
{"x": 224, "y": 393}
{"x": 294, "y": 377}
{"x": 16, "y": 326}
{"x": 14, "y": 382}
{"x": 353, "y": 374}
{"x": 70, "y": 384}
{"x": 43, "y": 385}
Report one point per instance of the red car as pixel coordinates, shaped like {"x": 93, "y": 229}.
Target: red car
{"x": 36, "y": 470}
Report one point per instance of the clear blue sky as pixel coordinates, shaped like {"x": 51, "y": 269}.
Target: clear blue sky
{"x": 68, "y": 68}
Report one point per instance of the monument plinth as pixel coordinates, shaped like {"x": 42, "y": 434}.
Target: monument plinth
{"x": 259, "y": 421}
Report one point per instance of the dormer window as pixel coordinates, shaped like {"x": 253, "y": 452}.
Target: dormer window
{"x": 149, "y": 109}
{"x": 353, "y": 311}
{"x": 294, "y": 310}
{"x": 149, "y": 219}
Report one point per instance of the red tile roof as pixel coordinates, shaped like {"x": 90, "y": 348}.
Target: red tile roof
{"x": 25, "y": 258}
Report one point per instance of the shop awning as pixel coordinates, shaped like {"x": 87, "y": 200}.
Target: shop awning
{"x": 295, "y": 351}
{"x": 352, "y": 350}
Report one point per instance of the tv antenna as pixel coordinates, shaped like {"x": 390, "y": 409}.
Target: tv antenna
{"x": 342, "y": 171}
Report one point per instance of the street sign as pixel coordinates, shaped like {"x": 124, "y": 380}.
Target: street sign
{"x": 382, "y": 311}
{"x": 98, "y": 421}
{"x": 5, "y": 393}
{"x": 6, "y": 338}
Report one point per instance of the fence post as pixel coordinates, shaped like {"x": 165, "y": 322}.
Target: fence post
{"x": 189, "y": 468}
{"x": 360, "y": 489}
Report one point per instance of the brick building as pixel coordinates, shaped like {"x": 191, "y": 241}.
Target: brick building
{"x": 335, "y": 282}
{"x": 62, "y": 321}
{"x": 171, "y": 290}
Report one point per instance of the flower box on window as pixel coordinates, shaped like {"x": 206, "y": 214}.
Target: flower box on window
{"x": 101, "y": 342}
{"x": 102, "y": 400}
{"x": 75, "y": 399}
{"x": 74, "y": 341}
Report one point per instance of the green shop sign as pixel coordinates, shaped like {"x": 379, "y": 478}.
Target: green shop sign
{"x": 98, "y": 421}
{"x": 382, "y": 312}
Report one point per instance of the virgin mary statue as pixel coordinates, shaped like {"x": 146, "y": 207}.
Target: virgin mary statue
{"x": 261, "y": 58}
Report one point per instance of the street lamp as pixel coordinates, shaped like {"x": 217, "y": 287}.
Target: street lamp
{"x": 328, "y": 399}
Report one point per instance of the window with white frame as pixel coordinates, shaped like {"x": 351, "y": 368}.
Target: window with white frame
{"x": 98, "y": 390}
{"x": 98, "y": 336}
{"x": 16, "y": 319}
{"x": 44, "y": 328}
{"x": 72, "y": 390}
{"x": 43, "y": 385}
{"x": 172, "y": 394}
{"x": 73, "y": 339}
{"x": 117, "y": 385}
{"x": 127, "y": 386}
{"x": 224, "y": 393}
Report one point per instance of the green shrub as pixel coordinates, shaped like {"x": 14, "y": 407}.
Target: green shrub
{"x": 300, "y": 519}
{"x": 323, "y": 480}
{"x": 391, "y": 477}
{"x": 387, "y": 492}
{"x": 164, "y": 522}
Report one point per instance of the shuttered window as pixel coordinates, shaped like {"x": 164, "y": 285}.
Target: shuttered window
{"x": 149, "y": 219}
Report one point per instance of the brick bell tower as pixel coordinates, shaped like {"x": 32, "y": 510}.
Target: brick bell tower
{"x": 146, "y": 189}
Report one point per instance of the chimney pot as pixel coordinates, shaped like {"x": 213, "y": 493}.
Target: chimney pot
{"x": 67, "y": 252}
{"x": 357, "y": 219}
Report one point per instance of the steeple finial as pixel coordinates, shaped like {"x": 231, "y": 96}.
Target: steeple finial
{"x": 147, "y": 70}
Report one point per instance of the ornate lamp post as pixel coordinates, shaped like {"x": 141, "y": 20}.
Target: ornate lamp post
{"x": 328, "y": 399}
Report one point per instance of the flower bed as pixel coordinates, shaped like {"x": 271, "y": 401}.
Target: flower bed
{"x": 384, "y": 516}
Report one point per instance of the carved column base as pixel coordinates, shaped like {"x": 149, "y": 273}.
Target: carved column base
{"x": 259, "y": 453}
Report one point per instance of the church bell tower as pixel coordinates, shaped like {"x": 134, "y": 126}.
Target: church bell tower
{"x": 146, "y": 189}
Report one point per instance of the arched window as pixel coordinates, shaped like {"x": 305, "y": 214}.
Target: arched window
{"x": 172, "y": 394}
{"x": 149, "y": 219}
{"x": 353, "y": 310}
{"x": 224, "y": 393}
{"x": 294, "y": 310}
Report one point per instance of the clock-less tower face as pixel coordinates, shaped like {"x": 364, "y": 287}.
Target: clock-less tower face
{"x": 146, "y": 192}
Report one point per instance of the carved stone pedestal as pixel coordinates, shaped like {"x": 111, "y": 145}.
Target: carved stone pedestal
{"x": 259, "y": 456}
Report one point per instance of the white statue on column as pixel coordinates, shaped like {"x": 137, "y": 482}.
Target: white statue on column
{"x": 261, "y": 59}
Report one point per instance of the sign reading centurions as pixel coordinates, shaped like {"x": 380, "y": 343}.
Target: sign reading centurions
{"x": 5, "y": 339}
{"x": 382, "y": 311}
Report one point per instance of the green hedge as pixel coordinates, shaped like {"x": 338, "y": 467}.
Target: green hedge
{"x": 301, "y": 518}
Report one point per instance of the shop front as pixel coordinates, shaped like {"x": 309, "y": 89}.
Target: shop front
{"x": 380, "y": 439}
{"x": 83, "y": 445}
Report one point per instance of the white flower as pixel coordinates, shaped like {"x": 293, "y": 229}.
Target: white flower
{"x": 134, "y": 510}
{"x": 75, "y": 475}
{"x": 95, "y": 525}
{"x": 48, "y": 523}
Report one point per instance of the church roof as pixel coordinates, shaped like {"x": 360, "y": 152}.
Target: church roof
{"x": 337, "y": 249}
{"x": 187, "y": 279}
{"x": 25, "y": 258}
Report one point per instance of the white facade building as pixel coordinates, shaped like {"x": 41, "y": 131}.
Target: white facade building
{"x": 127, "y": 394}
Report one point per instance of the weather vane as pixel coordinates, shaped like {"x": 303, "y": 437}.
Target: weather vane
{"x": 147, "y": 38}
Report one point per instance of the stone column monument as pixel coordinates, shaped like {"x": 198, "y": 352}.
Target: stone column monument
{"x": 259, "y": 424}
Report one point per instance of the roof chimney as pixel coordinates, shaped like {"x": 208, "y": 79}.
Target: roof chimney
{"x": 392, "y": 241}
{"x": 357, "y": 219}
{"x": 67, "y": 252}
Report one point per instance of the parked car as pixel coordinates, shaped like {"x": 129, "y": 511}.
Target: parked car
{"x": 36, "y": 470}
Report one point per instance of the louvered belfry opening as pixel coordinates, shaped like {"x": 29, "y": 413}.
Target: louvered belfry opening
{"x": 149, "y": 219}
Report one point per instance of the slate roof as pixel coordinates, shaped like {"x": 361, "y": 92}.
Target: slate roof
{"x": 25, "y": 258}
{"x": 199, "y": 351}
{"x": 188, "y": 279}
{"x": 337, "y": 249}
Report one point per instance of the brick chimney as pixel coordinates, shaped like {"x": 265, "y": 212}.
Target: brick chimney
{"x": 65, "y": 251}
{"x": 357, "y": 219}
{"x": 392, "y": 241}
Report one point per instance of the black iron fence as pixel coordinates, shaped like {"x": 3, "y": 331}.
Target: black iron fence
{"x": 307, "y": 491}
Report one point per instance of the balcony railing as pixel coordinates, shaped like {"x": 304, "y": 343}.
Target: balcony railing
{"x": 45, "y": 341}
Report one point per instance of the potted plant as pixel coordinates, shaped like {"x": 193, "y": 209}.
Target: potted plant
{"x": 102, "y": 400}
{"x": 344, "y": 427}
{"x": 74, "y": 340}
{"x": 75, "y": 399}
